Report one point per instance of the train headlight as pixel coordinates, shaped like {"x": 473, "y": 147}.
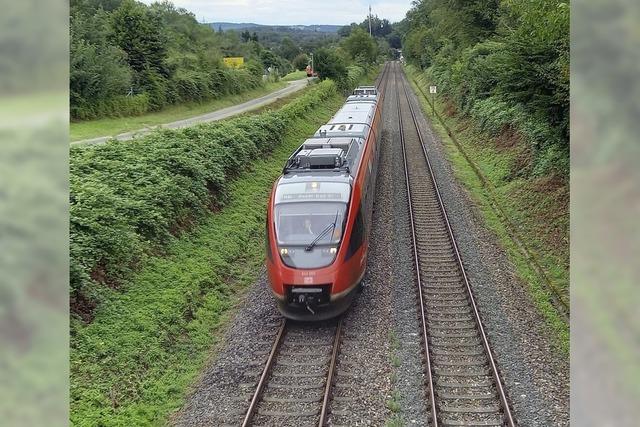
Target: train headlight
{"x": 284, "y": 251}
{"x": 333, "y": 251}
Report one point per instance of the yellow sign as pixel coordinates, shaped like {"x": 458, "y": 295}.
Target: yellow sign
{"x": 234, "y": 61}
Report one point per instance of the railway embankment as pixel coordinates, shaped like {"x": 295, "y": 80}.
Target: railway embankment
{"x": 166, "y": 233}
{"x": 528, "y": 211}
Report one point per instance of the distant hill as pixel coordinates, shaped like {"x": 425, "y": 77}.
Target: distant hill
{"x": 248, "y": 25}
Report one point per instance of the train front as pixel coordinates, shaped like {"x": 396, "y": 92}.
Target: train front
{"x": 306, "y": 251}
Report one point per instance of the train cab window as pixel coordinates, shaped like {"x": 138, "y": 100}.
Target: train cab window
{"x": 301, "y": 223}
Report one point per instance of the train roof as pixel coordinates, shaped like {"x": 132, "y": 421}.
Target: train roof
{"x": 334, "y": 152}
{"x": 320, "y": 155}
{"x": 362, "y": 98}
{"x": 352, "y": 120}
{"x": 366, "y": 90}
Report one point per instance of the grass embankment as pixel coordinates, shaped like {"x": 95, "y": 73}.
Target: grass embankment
{"x": 112, "y": 126}
{"x": 295, "y": 75}
{"x": 528, "y": 213}
{"x": 133, "y": 364}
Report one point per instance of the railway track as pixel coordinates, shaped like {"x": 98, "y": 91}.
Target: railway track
{"x": 463, "y": 382}
{"x": 296, "y": 382}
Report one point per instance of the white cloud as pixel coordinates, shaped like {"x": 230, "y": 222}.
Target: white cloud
{"x": 288, "y": 12}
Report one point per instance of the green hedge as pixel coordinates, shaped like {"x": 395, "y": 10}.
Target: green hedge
{"x": 185, "y": 86}
{"x": 130, "y": 197}
{"x": 121, "y": 106}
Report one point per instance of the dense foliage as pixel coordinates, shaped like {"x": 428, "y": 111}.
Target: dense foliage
{"x": 130, "y": 197}
{"x": 128, "y": 58}
{"x": 345, "y": 63}
{"x": 386, "y": 34}
{"x": 506, "y": 64}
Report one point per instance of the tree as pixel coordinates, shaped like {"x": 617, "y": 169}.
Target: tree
{"x": 301, "y": 61}
{"x": 288, "y": 49}
{"x": 346, "y": 30}
{"x": 361, "y": 45}
{"x": 269, "y": 59}
{"x": 96, "y": 73}
{"x": 330, "y": 65}
{"x": 395, "y": 40}
{"x": 379, "y": 27}
{"x": 139, "y": 33}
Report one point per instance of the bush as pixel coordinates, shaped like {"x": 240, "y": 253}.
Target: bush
{"x": 503, "y": 63}
{"x": 128, "y": 197}
{"x": 330, "y": 65}
{"x": 119, "y": 106}
{"x": 300, "y": 62}
{"x": 355, "y": 73}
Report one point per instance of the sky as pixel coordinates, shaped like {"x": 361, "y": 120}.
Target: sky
{"x": 290, "y": 12}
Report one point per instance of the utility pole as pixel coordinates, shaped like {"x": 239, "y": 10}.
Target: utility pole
{"x": 369, "y": 20}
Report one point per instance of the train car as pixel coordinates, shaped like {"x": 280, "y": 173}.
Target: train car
{"x": 319, "y": 213}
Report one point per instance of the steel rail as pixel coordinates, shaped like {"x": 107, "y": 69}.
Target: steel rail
{"x": 332, "y": 368}
{"x": 265, "y": 374}
{"x": 264, "y": 377}
{"x": 425, "y": 337}
{"x": 494, "y": 369}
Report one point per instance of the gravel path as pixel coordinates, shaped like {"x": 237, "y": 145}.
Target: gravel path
{"x": 224, "y": 113}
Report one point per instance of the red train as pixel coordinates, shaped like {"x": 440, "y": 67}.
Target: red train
{"x": 319, "y": 212}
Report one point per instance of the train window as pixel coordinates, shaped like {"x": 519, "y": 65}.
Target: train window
{"x": 357, "y": 235}
{"x": 301, "y": 223}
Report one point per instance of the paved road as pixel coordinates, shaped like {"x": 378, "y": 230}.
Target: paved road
{"x": 224, "y": 113}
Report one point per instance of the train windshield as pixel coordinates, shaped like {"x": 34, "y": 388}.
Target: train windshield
{"x": 307, "y": 223}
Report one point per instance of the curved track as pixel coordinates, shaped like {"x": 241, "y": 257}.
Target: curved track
{"x": 464, "y": 385}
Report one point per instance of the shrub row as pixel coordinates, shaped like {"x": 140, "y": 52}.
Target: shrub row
{"x": 130, "y": 197}
{"x": 184, "y": 86}
{"x": 120, "y": 106}
{"x": 493, "y": 114}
